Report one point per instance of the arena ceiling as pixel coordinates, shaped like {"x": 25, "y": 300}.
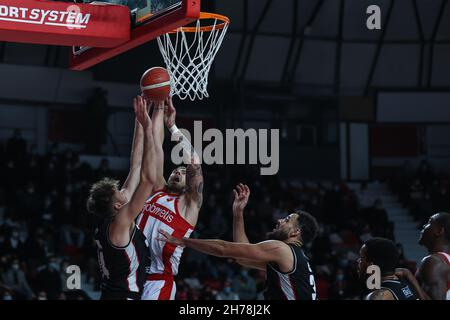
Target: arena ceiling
{"x": 319, "y": 45}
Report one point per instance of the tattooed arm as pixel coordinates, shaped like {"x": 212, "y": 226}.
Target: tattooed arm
{"x": 194, "y": 192}
{"x": 380, "y": 294}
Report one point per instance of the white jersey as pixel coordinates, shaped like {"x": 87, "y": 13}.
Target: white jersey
{"x": 161, "y": 212}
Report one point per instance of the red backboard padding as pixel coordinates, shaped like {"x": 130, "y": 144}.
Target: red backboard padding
{"x": 64, "y": 23}
{"x": 161, "y": 24}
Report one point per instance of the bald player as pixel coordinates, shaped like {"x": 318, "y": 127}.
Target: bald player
{"x": 434, "y": 270}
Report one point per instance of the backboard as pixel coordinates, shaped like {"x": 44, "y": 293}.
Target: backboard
{"x": 142, "y": 10}
{"x": 149, "y": 19}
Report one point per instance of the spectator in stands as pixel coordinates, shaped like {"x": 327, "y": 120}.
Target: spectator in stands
{"x": 244, "y": 285}
{"x": 193, "y": 281}
{"x": 207, "y": 293}
{"x": 15, "y": 279}
{"x": 339, "y": 287}
{"x": 227, "y": 293}
{"x": 49, "y": 280}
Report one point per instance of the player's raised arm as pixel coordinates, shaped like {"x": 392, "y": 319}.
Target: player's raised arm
{"x": 129, "y": 211}
{"x": 158, "y": 135}
{"x": 194, "y": 174}
{"x": 137, "y": 147}
{"x": 190, "y": 156}
{"x": 264, "y": 252}
{"x": 241, "y": 194}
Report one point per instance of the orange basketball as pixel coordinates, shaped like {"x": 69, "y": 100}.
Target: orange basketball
{"x": 155, "y": 84}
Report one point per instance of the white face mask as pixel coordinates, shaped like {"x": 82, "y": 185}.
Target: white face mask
{"x": 7, "y": 297}
{"x": 15, "y": 266}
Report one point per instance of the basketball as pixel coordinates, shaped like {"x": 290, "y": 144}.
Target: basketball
{"x": 155, "y": 84}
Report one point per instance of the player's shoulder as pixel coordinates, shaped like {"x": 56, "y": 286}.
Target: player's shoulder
{"x": 431, "y": 264}
{"x": 274, "y": 245}
{"x": 432, "y": 259}
{"x": 380, "y": 294}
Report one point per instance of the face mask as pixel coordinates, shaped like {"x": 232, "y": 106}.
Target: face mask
{"x": 15, "y": 235}
{"x": 42, "y": 298}
{"x": 339, "y": 277}
{"x": 15, "y": 266}
{"x": 227, "y": 290}
{"x": 7, "y": 298}
{"x": 244, "y": 273}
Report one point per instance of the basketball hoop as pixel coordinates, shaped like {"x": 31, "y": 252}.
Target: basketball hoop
{"x": 189, "y": 61}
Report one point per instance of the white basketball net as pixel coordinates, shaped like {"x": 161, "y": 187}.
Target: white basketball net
{"x": 189, "y": 62}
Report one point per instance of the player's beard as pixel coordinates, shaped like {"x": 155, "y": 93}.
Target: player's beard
{"x": 175, "y": 188}
{"x": 281, "y": 235}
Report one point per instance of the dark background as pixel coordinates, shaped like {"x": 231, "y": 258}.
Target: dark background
{"x": 363, "y": 115}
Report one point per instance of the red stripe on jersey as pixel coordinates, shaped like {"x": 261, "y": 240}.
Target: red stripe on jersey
{"x": 143, "y": 221}
{"x": 444, "y": 257}
{"x": 176, "y": 206}
{"x": 145, "y": 214}
{"x": 159, "y": 277}
{"x": 129, "y": 269}
{"x": 291, "y": 284}
{"x": 166, "y": 290}
{"x": 168, "y": 251}
{"x": 280, "y": 285}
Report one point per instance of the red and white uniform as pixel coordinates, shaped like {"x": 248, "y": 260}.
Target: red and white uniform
{"x": 161, "y": 212}
{"x": 446, "y": 258}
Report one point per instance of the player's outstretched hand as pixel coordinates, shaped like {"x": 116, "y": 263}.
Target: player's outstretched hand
{"x": 149, "y": 102}
{"x": 170, "y": 113}
{"x": 140, "y": 110}
{"x": 241, "y": 195}
{"x": 165, "y": 236}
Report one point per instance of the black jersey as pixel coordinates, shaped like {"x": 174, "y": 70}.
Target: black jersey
{"x": 295, "y": 285}
{"x": 122, "y": 268}
{"x": 401, "y": 290}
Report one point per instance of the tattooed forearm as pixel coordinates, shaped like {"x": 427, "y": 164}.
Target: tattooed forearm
{"x": 379, "y": 295}
{"x": 200, "y": 194}
{"x": 194, "y": 183}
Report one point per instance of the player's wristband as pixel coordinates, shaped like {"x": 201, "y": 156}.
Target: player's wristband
{"x": 174, "y": 129}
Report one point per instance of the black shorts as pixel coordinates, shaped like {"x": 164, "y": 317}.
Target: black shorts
{"x": 119, "y": 295}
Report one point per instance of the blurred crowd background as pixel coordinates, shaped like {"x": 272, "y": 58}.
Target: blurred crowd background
{"x": 44, "y": 226}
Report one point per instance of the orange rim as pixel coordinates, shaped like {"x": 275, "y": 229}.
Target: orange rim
{"x": 204, "y": 16}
